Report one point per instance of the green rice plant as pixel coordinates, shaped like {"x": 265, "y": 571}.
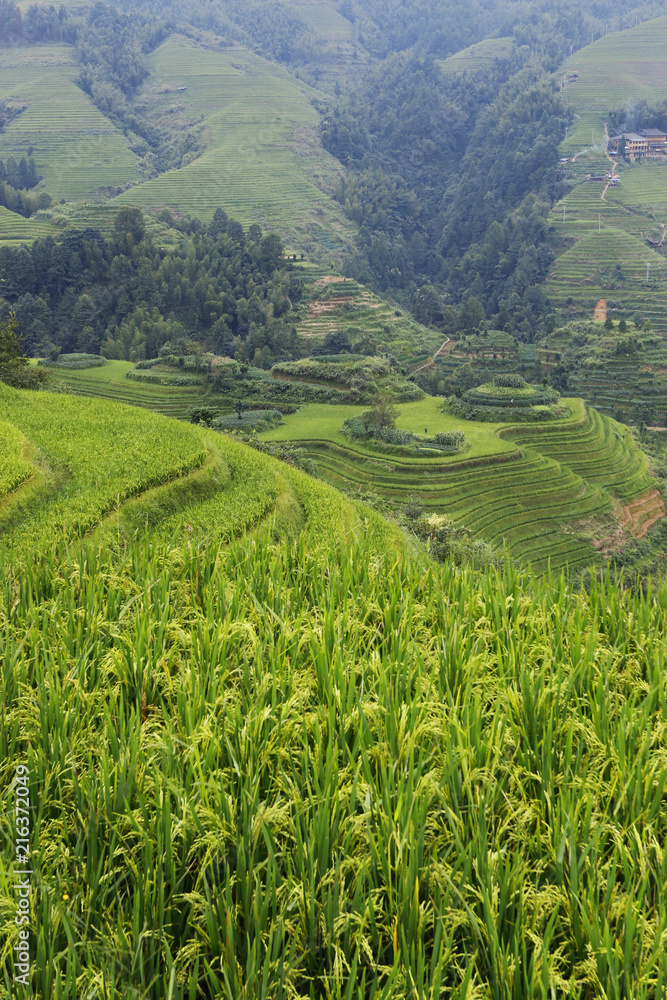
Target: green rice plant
{"x": 15, "y": 468}
{"x": 275, "y": 752}
{"x": 311, "y": 768}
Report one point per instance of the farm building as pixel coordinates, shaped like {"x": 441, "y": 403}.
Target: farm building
{"x": 644, "y": 141}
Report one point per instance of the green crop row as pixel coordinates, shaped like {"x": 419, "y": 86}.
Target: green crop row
{"x": 320, "y": 765}
{"x": 15, "y": 468}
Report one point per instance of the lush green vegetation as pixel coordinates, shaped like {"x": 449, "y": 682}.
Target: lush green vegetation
{"x": 242, "y": 103}
{"x": 111, "y": 383}
{"x": 77, "y": 150}
{"x": 90, "y": 293}
{"x": 622, "y": 372}
{"x": 556, "y": 499}
{"x": 242, "y": 788}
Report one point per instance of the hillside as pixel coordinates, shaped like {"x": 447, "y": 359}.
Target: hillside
{"x": 276, "y": 753}
{"x": 79, "y": 152}
{"x": 261, "y": 158}
{"x": 261, "y": 161}
{"x": 615, "y": 74}
{"x": 571, "y": 492}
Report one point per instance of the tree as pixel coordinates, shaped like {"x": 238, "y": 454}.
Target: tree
{"x": 15, "y": 369}
{"x": 383, "y": 414}
{"x": 471, "y": 315}
{"x": 130, "y": 220}
{"x": 239, "y": 409}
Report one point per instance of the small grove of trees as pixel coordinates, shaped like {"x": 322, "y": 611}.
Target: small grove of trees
{"x": 15, "y": 368}
{"x": 125, "y": 297}
{"x": 21, "y": 174}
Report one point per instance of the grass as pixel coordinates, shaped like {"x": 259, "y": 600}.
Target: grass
{"x": 309, "y": 762}
{"x": 111, "y": 382}
{"x": 262, "y": 160}
{"x": 77, "y": 150}
{"x": 551, "y": 492}
{"x": 479, "y": 56}
{"x": 322, "y": 422}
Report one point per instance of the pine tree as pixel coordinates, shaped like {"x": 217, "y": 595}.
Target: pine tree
{"x": 15, "y": 369}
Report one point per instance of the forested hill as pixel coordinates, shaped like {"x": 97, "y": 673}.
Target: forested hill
{"x": 447, "y": 167}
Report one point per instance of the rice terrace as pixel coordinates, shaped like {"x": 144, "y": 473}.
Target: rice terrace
{"x": 333, "y": 500}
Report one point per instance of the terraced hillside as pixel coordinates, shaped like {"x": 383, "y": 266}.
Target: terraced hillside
{"x": 78, "y": 151}
{"x": 623, "y": 374}
{"x": 336, "y": 305}
{"x": 479, "y": 56}
{"x": 614, "y": 266}
{"x": 15, "y": 229}
{"x": 562, "y": 499}
{"x": 71, "y": 466}
{"x": 262, "y": 160}
{"x": 613, "y": 73}
{"x": 267, "y": 748}
{"x": 111, "y": 382}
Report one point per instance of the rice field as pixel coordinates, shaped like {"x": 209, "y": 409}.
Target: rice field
{"x": 334, "y": 304}
{"x": 262, "y": 159}
{"x": 550, "y": 492}
{"x": 479, "y": 56}
{"x": 77, "y": 150}
{"x": 325, "y": 19}
{"x": 611, "y": 265}
{"x": 15, "y": 229}
{"x": 273, "y": 752}
{"x": 614, "y": 70}
{"x": 111, "y": 382}
{"x": 90, "y": 459}
{"x": 15, "y": 467}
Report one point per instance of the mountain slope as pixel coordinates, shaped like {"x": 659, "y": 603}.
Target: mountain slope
{"x": 262, "y": 160}
{"x": 78, "y": 151}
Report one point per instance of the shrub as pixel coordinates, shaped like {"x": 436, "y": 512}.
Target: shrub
{"x": 509, "y": 381}
{"x": 258, "y": 420}
{"x": 75, "y": 361}
{"x": 354, "y": 429}
{"x": 392, "y": 435}
{"x": 454, "y": 439}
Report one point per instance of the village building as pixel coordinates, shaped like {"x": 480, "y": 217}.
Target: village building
{"x": 646, "y": 140}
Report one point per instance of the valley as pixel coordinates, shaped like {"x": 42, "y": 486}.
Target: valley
{"x": 333, "y": 501}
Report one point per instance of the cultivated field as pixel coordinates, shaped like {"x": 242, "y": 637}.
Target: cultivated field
{"x": 334, "y": 304}
{"x": 615, "y": 72}
{"x": 262, "y": 158}
{"x": 272, "y": 751}
{"x": 554, "y": 492}
{"x": 77, "y": 150}
{"x": 610, "y": 265}
{"x": 15, "y": 229}
{"x": 479, "y": 56}
{"x": 111, "y": 382}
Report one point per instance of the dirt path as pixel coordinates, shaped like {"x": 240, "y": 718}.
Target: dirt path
{"x": 600, "y": 313}
{"x": 611, "y": 160}
{"x": 432, "y": 358}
